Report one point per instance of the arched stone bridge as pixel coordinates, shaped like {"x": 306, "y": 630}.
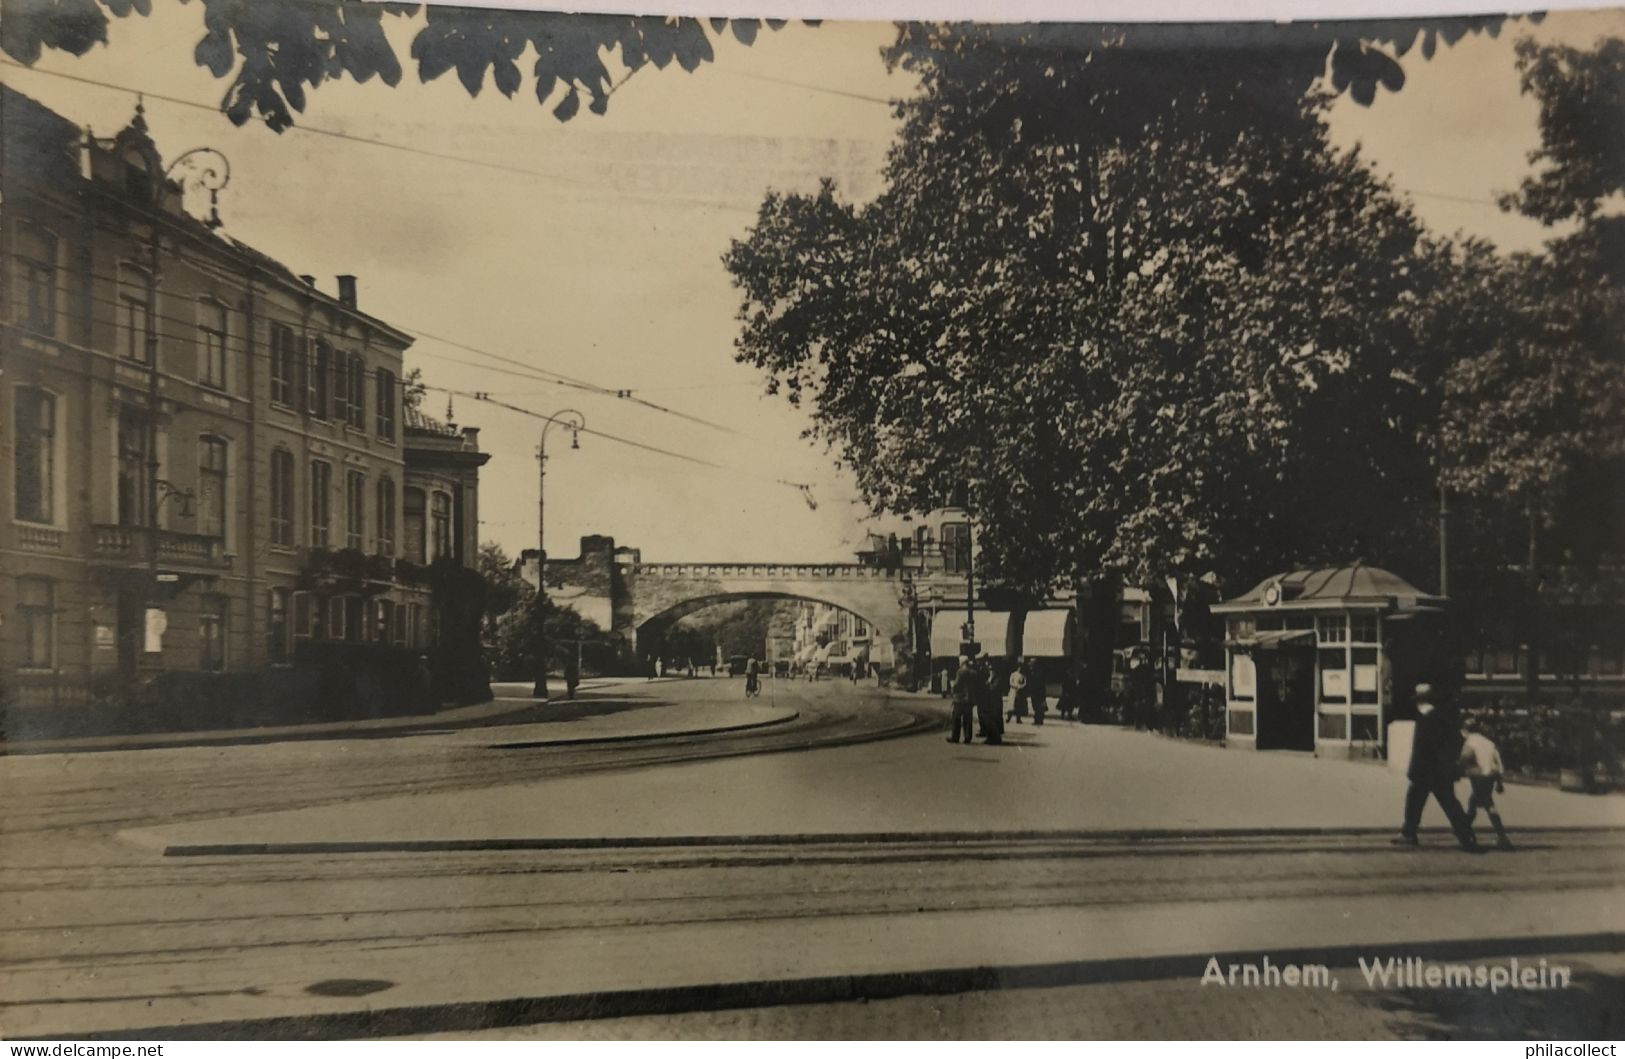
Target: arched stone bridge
{"x": 638, "y": 601}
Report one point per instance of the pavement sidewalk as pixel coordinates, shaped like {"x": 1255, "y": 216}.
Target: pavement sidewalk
{"x": 1056, "y": 778}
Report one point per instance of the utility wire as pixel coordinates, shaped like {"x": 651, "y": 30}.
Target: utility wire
{"x": 565, "y": 380}
{"x": 316, "y": 130}
{"x": 590, "y": 184}
{"x": 804, "y": 487}
{"x": 530, "y": 371}
{"x": 301, "y": 384}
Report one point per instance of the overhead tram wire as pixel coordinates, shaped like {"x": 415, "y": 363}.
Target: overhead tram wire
{"x": 300, "y": 384}
{"x": 317, "y": 130}
{"x": 530, "y": 371}
{"x": 804, "y": 487}
{"x": 624, "y": 394}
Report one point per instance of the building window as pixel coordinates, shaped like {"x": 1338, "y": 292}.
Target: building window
{"x": 1500, "y": 660}
{"x": 135, "y": 313}
{"x": 341, "y": 387}
{"x": 344, "y": 618}
{"x": 400, "y": 625}
{"x": 36, "y": 456}
{"x": 1365, "y": 676}
{"x": 1364, "y": 628}
{"x": 1130, "y": 624}
{"x": 1243, "y": 677}
{"x": 956, "y": 547}
{"x": 385, "y": 399}
{"x": 211, "y": 631}
{"x": 284, "y": 365}
{"x": 1365, "y": 728}
{"x": 414, "y": 625}
{"x": 355, "y": 411}
{"x": 36, "y": 274}
{"x": 1241, "y": 722}
{"x": 211, "y": 338}
{"x": 1333, "y": 628}
{"x": 1334, "y": 726}
{"x": 36, "y": 620}
{"x": 309, "y": 616}
{"x": 440, "y": 525}
{"x": 321, "y": 503}
{"x": 355, "y": 510}
{"x": 321, "y": 366}
{"x": 413, "y": 513}
{"x": 277, "y": 625}
{"x": 211, "y": 488}
{"x": 386, "y": 516}
{"x": 134, "y": 466}
{"x": 282, "y": 493}
{"x": 383, "y": 620}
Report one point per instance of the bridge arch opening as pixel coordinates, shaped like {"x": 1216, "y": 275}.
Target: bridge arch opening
{"x": 814, "y": 632}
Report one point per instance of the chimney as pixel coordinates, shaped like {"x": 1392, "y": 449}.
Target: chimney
{"x": 471, "y": 438}
{"x": 347, "y": 290}
{"x": 310, "y": 281}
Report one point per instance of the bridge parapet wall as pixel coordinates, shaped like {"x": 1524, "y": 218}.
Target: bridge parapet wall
{"x": 765, "y": 571}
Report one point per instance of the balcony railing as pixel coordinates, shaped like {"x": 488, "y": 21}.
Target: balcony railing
{"x": 38, "y": 538}
{"x": 184, "y": 549}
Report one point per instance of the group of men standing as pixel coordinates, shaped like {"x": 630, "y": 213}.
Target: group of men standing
{"x": 973, "y": 694}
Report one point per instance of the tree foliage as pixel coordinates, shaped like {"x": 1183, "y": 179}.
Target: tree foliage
{"x": 511, "y": 630}
{"x": 274, "y": 51}
{"x": 1130, "y": 295}
{"x": 1534, "y": 423}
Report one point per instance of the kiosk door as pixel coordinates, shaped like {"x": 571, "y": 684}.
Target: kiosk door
{"x": 1286, "y": 698}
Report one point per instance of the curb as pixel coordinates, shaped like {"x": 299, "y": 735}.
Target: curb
{"x": 780, "y": 839}
{"x": 592, "y": 740}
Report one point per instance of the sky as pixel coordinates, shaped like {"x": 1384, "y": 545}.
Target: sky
{"x": 600, "y": 258}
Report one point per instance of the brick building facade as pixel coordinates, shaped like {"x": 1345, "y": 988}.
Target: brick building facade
{"x": 207, "y": 463}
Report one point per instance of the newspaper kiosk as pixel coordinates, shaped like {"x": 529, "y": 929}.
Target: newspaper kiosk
{"x": 1310, "y": 659}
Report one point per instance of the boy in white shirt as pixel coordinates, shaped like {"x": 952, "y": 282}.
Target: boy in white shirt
{"x": 1481, "y": 764}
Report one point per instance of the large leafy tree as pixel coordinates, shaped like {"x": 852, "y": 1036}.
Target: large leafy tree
{"x": 1534, "y": 421}
{"x": 275, "y": 51}
{"x": 1129, "y": 295}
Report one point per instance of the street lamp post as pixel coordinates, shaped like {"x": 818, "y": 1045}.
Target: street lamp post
{"x": 574, "y": 422}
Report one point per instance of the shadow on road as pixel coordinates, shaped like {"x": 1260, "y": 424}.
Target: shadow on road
{"x": 1593, "y": 1006}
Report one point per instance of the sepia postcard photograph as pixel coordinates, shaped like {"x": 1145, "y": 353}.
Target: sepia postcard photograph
{"x": 686, "y": 525}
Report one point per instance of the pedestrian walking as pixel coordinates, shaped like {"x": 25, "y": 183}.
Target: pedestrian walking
{"x": 1018, "y": 695}
{"x": 1434, "y": 767}
{"x": 1070, "y": 704}
{"x": 990, "y": 705}
{"x": 968, "y": 690}
{"x": 1481, "y": 764}
{"x": 1037, "y": 694}
{"x": 572, "y": 677}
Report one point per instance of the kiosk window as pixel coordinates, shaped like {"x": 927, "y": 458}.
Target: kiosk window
{"x": 1334, "y": 726}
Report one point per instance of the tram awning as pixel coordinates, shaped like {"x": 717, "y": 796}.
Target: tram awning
{"x": 992, "y": 632}
{"x": 1047, "y": 634}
